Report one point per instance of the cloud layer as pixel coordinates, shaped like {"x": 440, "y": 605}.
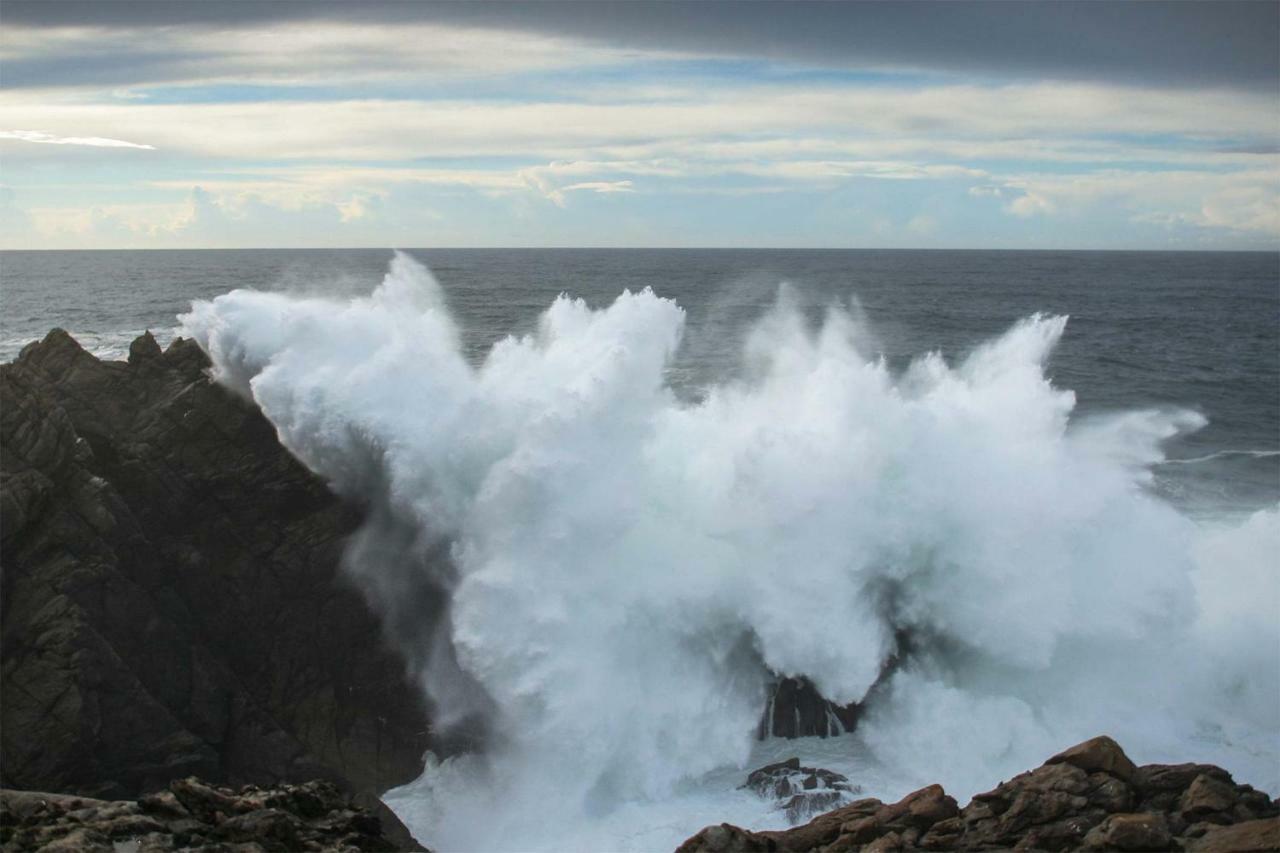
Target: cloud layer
{"x": 312, "y": 124}
{"x": 49, "y": 139}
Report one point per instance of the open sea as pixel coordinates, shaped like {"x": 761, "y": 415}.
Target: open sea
{"x": 1194, "y": 330}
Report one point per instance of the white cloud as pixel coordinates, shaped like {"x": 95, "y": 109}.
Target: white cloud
{"x": 879, "y": 169}
{"x": 50, "y": 139}
{"x": 1243, "y": 208}
{"x": 1030, "y": 204}
{"x": 601, "y": 187}
{"x": 109, "y": 223}
{"x": 395, "y": 130}
{"x": 357, "y": 207}
{"x": 1244, "y": 201}
{"x": 1194, "y": 158}
{"x": 922, "y": 225}
{"x": 203, "y": 218}
{"x": 558, "y": 195}
{"x": 333, "y": 50}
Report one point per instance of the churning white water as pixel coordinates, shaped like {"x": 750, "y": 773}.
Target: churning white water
{"x": 618, "y": 572}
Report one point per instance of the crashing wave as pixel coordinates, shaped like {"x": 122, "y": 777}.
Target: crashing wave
{"x": 599, "y": 582}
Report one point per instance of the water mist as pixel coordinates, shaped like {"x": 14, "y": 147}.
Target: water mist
{"x": 595, "y": 580}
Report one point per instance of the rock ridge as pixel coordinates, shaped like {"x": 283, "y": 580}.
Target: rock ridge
{"x": 172, "y": 602}
{"x": 1088, "y": 797}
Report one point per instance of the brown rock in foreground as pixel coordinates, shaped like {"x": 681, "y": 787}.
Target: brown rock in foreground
{"x": 172, "y": 602}
{"x": 1089, "y": 797}
{"x": 193, "y": 815}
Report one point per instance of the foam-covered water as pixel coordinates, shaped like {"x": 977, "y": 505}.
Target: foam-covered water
{"x": 622, "y": 566}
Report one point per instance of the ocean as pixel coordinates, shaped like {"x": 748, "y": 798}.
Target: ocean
{"x": 665, "y": 478}
{"x": 1197, "y": 330}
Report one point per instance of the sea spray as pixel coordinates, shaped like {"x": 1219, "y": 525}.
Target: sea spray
{"x": 601, "y": 578}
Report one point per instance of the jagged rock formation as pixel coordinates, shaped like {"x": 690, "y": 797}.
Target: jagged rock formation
{"x": 800, "y": 791}
{"x": 1090, "y": 797}
{"x": 172, "y": 602}
{"x": 192, "y": 815}
{"x": 796, "y": 709}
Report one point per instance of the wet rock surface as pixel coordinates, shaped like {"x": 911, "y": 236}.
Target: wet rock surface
{"x": 172, "y": 602}
{"x": 800, "y": 791}
{"x": 193, "y": 815}
{"x": 795, "y": 708}
{"x": 1089, "y": 797}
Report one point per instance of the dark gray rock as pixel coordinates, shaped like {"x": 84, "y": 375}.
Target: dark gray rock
{"x": 801, "y": 792}
{"x": 172, "y": 603}
{"x": 795, "y": 708}
{"x": 310, "y": 816}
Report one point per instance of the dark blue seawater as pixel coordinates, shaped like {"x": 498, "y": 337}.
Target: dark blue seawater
{"x": 1192, "y": 330}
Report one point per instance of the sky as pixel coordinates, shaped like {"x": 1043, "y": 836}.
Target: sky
{"x": 881, "y": 125}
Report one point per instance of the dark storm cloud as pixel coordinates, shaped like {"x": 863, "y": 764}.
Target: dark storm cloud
{"x": 119, "y": 67}
{"x": 1153, "y": 43}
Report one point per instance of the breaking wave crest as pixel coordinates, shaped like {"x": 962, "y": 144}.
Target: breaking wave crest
{"x": 596, "y": 580}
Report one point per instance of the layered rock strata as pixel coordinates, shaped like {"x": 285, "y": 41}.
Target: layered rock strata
{"x": 1090, "y": 797}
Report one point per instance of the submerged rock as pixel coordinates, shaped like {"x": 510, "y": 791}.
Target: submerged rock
{"x": 172, "y": 602}
{"x": 193, "y": 815}
{"x": 800, "y": 791}
{"x": 1089, "y": 797}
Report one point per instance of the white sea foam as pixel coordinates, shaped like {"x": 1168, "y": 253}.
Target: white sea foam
{"x": 1222, "y": 454}
{"x": 626, "y": 569}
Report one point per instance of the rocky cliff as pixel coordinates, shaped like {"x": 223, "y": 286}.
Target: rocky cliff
{"x": 172, "y": 599}
{"x": 1089, "y": 797}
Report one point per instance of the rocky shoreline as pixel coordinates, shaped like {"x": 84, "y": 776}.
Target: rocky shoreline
{"x": 193, "y": 815}
{"x": 173, "y": 602}
{"x": 174, "y": 609}
{"x": 1088, "y": 797}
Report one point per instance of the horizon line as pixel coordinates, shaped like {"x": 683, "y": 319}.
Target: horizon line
{"x": 393, "y": 248}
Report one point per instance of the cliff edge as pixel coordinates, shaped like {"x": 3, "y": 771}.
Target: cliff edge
{"x": 172, "y": 603}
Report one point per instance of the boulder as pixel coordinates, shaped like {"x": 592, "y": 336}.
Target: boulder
{"x": 1207, "y": 798}
{"x": 800, "y": 791}
{"x": 1131, "y": 832}
{"x": 1248, "y": 837}
{"x": 921, "y": 809}
{"x": 725, "y": 838}
{"x": 1098, "y": 754}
